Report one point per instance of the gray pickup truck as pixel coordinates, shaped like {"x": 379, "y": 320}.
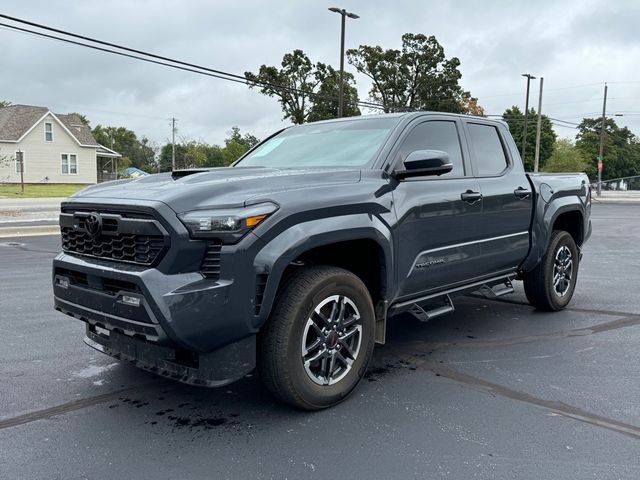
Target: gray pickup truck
{"x": 293, "y": 259}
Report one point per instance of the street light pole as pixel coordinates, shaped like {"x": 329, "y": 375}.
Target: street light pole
{"x": 526, "y": 115}
{"x": 344, "y": 14}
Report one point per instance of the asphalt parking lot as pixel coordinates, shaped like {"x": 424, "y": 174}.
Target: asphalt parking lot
{"x": 494, "y": 390}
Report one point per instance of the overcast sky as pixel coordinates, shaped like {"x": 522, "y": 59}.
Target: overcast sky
{"x": 575, "y": 44}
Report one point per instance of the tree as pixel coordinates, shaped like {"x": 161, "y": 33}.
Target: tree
{"x": 4, "y": 103}
{"x": 303, "y": 88}
{"x": 237, "y": 145}
{"x": 325, "y": 104}
{"x": 135, "y": 152}
{"x": 566, "y": 158}
{"x": 83, "y": 118}
{"x": 417, "y": 77}
{"x": 165, "y": 162}
{"x": 515, "y": 119}
{"x": 621, "y": 148}
{"x": 196, "y": 154}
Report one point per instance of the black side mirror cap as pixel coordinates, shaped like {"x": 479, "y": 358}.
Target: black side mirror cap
{"x": 425, "y": 163}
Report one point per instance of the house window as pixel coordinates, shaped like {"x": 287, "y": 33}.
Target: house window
{"x": 69, "y": 164}
{"x": 48, "y": 132}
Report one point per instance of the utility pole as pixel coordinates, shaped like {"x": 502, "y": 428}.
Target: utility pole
{"x": 536, "y": 163}
{"x": 344, "y": 15}
{"x": 601, "y": 154}
{"x": 173, "y": 144}
{"x": 526, "y": 115}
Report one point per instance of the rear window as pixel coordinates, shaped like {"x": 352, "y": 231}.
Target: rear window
{"x": 489, "y": 153}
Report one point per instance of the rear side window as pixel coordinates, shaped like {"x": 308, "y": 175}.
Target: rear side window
{"x": 436, "y": 135}
{"x": 486, "y": 144}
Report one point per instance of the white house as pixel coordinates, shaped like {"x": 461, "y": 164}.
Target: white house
{"x": 55, "y": 148}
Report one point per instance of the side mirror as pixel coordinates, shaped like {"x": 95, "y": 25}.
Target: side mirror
{"x": 424, "y": 163}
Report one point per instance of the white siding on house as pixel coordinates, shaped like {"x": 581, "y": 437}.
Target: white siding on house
{"x": 44, "y": 159}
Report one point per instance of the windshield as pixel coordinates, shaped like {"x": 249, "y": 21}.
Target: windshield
{"x": 334, "y": 144}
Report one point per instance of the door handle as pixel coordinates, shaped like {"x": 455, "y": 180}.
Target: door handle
{"x": 471, "y": 197}
{"x": 522, "y": 193}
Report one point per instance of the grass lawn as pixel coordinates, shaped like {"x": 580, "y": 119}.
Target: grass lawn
{"x": 39, "y": 190}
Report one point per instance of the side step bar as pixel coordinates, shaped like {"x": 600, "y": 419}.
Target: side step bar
{"x": 498, "y": 290}
{"x": 425, "y": 315}
{"x": 430, "y": 306}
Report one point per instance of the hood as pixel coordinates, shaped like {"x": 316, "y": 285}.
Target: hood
{"x": 218, "y": 187}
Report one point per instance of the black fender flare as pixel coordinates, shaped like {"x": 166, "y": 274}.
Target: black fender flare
{"x": 279, "y": 252}
{"x": 542, "y": 229}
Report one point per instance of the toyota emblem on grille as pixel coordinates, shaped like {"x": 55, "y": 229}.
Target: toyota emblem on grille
{"x": 93, "y": 225}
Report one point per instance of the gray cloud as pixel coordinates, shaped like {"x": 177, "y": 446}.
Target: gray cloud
{"x": 569, "y": 43}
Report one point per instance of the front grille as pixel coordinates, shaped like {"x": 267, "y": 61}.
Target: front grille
{"x": 121, "y": 238}
{"x": 210, "y": 266}
{"x": 143, "y": 249}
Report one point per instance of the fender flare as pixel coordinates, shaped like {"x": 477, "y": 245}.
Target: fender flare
{"x": 548, "y": 213}
{"x": 277, "y": 254}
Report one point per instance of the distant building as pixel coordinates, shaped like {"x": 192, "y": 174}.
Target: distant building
{"x": 56, "y": 148}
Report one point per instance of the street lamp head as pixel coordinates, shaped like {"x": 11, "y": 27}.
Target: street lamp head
{"x": 342, "y": 11}
{"x": 529, "y": 76}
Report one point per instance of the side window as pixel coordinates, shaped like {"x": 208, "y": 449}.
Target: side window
{"x": 436, "y": 135}
{"x": 489, "y": 153}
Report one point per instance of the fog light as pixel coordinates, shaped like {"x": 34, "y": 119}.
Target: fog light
{"x": 133, "y": 301}
{"x": 62, "y": 283}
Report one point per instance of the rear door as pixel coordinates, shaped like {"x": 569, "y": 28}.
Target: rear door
{"x": 507, "y": 200}
{"x": 439, "y": 218}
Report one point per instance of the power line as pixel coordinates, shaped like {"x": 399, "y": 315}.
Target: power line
{"x": 161, "y": 60}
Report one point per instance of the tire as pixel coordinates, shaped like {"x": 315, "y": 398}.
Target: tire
{"x": 562, "y": 260}
{"x": 291, "y": 362}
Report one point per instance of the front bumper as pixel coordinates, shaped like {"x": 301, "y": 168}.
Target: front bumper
{"x": 221, "y": 367}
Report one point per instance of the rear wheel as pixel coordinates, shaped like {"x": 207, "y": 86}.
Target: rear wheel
{"x": 551, "y": 284}
{"x": 317, "y": 344}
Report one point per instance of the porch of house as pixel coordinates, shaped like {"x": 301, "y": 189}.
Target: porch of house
{"x": 107, "y": 164}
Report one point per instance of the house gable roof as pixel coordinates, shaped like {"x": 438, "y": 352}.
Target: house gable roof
{"x": 16, "y": 121}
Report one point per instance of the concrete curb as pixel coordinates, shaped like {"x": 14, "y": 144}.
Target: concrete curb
{"x": 6, "y": 232}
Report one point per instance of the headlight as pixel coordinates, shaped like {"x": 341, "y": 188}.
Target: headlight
{"x": 227, "y": 224}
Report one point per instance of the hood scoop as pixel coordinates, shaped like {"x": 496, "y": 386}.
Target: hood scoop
{"x": 177, "y": 174}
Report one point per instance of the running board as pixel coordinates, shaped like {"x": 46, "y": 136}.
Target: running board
{"x": 495, "y": 291}
{"x": 425, "y": 315}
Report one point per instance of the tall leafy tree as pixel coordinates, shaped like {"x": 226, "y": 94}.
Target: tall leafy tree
{"x": 301, "y": 87}
{"x": 135, "y": 152}
{"x": 325, "y": 104}
{"x": 236, "y": 145}
{"x": 416, "y": 77}
{"x": 83, "y": 118}
{"x": 4, "y": 103}
{"x": 515, "y": 119}
{"x": 621, "y": 148}
{"x": 193, "y": 154}
{"x": 566, "y": 157}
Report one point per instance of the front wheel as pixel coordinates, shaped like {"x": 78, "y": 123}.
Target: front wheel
{"x": 317, "y": 343}
{"x": 551, "y": 284}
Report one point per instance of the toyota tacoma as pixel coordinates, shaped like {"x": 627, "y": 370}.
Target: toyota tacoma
{"x": 292, "y": 259}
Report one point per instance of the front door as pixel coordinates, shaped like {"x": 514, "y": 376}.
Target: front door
{"x": 439, "y": 218}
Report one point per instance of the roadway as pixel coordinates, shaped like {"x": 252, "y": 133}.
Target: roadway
{"x": 493, "y": 390}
